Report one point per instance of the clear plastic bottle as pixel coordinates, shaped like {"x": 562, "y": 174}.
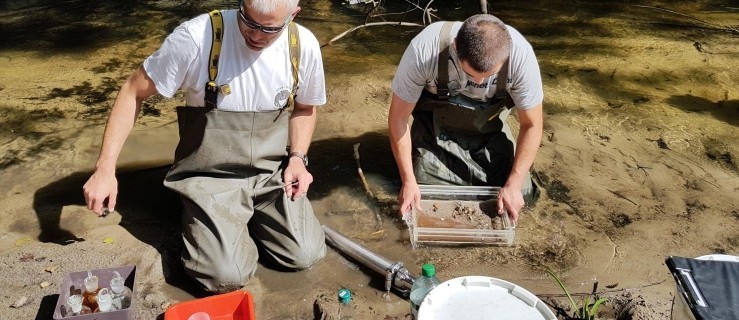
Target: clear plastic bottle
{"x": 89, "y": 295}
{"x": 345, "y": 310}
{"x": 76, "y": 308}
{"x": 422, "y": 286}
{"x": 121, "y": 294}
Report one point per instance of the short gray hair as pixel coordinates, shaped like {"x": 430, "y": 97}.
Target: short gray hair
{"x": 483, "y": 42}
{"x": 269, "y": 6}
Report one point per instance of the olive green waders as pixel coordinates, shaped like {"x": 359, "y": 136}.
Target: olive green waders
{"x": 460, "y": 141}
{"x": 228, "y": 171}
{"x": 448, "y": 155}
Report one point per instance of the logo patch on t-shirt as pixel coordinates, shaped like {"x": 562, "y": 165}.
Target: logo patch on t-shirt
{"x": 281, "y": 97}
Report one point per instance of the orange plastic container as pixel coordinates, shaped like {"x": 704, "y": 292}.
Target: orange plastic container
{"x": 237, "y": 305}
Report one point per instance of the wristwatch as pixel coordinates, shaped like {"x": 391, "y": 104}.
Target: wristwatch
{"x": 302, "y": 156}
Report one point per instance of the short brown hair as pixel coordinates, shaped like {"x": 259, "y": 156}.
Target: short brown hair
{"x": 483, "y": 42}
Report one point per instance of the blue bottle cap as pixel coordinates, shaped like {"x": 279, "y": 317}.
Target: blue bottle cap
{"x": 345, "y": 296}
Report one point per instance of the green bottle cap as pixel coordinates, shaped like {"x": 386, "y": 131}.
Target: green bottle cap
{"x": 345, "y": 296}
{"x": 428, "y": 270}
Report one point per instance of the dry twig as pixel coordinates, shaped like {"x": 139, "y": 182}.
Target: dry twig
{"x": 711, "y": 25}
{"x": 364, "y": 182}
{"x": 372, "y": 24}
{"x": 425, "y": 17}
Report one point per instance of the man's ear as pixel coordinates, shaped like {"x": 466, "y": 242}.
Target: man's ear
{"x": 295, "y": 13}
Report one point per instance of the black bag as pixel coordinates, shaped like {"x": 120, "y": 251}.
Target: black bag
{"x": 710, "y": 287}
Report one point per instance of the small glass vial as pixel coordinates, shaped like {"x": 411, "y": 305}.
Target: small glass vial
{"x": 89, "y": 295}
{"x": 121, "y": 294}
{"x": 74, "y": 302}
{"x": 105, "y": 300}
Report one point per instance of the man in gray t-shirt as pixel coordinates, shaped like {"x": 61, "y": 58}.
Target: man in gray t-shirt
{"x": 459, "y": 134}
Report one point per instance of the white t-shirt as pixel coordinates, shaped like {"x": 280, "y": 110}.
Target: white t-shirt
{"x": 418, "y": 70}
{"x": 259, "y": 80}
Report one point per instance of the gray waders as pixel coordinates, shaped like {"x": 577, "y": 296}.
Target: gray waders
{"x": 228, "y": 171}
{"x": 460, "y": 141}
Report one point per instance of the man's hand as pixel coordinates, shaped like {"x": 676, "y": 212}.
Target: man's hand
{"x": 99, "y": 188}
{"x": 409, "y": 198}
{"x": 297, "y": 178}
{"x": 510, "y": 199}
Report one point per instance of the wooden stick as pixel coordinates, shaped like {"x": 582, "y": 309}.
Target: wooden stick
{"x": 406, "y": 24}
{"x": 359, "y": 170}
{"x": 711, "y": 25}
{"x": 621, "y": 196}
{"x": 419, "y": 7}
{"x": 365, "y": 184}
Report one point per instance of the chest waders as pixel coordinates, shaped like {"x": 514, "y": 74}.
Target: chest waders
{"x": 460, "y": 141}
{"x": 228, "y": 172}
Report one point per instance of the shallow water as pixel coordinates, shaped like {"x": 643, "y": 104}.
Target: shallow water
{"x": 613, "y": 72}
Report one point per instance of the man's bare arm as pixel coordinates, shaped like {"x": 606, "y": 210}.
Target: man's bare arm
{"x": 301, "y": 127}
{"x": 400, "y": 142}
{"x": 103, "y": 185}
{"x": 527, "y": 145}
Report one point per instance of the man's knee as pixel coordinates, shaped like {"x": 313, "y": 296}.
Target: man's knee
{"x": 303, "y": 259}
{"x": 222, "y": 276}
{"x": 306, "y": 260}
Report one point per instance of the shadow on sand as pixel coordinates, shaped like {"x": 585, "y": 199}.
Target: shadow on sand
{"x": 152, "y": 213}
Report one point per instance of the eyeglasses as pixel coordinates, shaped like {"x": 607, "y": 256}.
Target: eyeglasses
{"x": 253, "y": 25}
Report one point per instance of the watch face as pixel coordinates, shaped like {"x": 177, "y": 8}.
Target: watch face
{"x": 303, "y": 157}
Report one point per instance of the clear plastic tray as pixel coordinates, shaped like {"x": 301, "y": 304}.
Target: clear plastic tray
{"x": 459, "y": 215}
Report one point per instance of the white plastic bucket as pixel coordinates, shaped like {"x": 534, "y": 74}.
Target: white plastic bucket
{"x": 482, "y": 298}
{"x": 680, "y": 308}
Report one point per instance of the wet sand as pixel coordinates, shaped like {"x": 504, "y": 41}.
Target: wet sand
{"x": 638, "y": 162}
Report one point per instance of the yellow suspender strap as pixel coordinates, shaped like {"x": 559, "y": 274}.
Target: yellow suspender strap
{"x": 294, "y": 39}
{"x": 216, "y": 22}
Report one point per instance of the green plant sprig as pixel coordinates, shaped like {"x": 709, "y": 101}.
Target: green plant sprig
{"x": 587, "y": 311}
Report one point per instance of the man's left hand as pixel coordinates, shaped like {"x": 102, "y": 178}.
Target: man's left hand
{"x": 297, "y": 179}
{"x": 510, "y": 199}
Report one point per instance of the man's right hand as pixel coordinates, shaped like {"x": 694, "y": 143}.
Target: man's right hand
{"x": 409, "y": 198}
{"x": 100, "y": 187}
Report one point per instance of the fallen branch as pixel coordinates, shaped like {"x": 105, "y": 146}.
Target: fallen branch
{"x": 366, "y": 185}
{"x": 359, "y": 170}
{"x": 713, "y": 26}
{"x": 419, "y": 7}
{"x": 405, "y": 24}
{"x": 427, "y": 13}
{"x": 616, "y": 193}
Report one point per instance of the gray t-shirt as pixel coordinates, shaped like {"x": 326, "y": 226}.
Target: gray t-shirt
{"x": 418, "y": 70}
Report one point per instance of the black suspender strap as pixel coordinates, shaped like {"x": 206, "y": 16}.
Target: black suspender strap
{"x": 502, "y": 80}
{"x": 501, "y": 92}
{"x": 442, "y": 79}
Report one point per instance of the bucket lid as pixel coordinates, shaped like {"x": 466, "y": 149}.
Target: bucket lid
{"x": 478, "y": 297}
